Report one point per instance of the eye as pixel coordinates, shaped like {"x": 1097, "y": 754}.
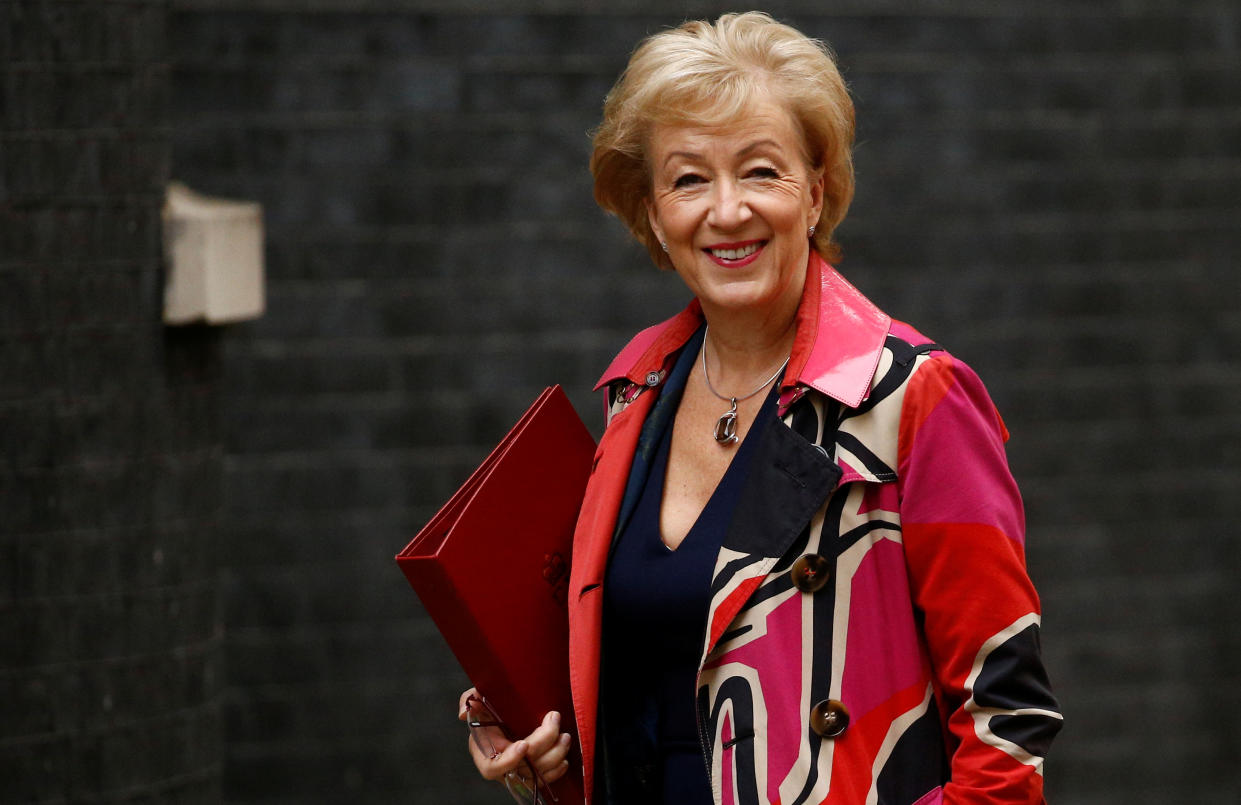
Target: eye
{"x": 764, "y": 172}
{"x": 687, "y": 179}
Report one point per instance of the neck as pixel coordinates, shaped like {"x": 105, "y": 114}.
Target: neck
{"x": 746, "y": 344}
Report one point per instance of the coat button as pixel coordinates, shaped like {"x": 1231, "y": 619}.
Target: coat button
{"x": 654, "y": 378}
{"x": 810, "y": 572}
{"x": 829, "y": 718}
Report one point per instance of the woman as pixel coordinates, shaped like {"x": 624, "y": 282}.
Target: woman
{"x": 798, "y": 572}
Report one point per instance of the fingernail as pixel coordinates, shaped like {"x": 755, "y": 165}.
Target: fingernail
{"x": 565, "y": 738}
{"x": 521, "y": 747}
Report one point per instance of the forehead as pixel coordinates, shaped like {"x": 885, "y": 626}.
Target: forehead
{"x": 762, "y": 122}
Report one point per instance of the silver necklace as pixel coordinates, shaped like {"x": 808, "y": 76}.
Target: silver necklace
{"x": 726, "y": 425}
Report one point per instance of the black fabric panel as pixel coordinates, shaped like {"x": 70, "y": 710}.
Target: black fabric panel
{"x": 788, "y": 481}
{"x": 919, "y": 762}
{"x": 1012, "y": 678}
{"x": 1032, "y": 733}
{"x": 737, "y": 692}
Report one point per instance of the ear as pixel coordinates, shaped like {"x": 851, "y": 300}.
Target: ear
{"x": 653, "y": 220}
{"x": 817, "y": 188}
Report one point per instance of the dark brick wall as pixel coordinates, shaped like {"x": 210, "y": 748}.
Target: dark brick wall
{"x": 1047, "y": 189}
{"x": 110, "y": 454}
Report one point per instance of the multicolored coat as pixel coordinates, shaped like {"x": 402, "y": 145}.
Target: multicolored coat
{"x": 873, "y": 637}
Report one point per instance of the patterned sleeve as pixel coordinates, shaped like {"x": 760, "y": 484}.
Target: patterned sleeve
{"x": 963, "y": 528}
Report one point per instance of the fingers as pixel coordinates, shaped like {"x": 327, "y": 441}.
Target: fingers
{"x": 554, "y": 763}
{"x": 546, "y": 749}
{"x": 510, "y": 757}
{"x": 462, "y": 709}
{"x": 549, "y": 748}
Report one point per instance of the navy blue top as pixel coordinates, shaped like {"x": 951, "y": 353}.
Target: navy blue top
{"x": 655, "y": 610}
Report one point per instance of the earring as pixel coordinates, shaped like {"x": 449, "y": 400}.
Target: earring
{"x": 664, "y": 245}
{"x": 812, "y": 231}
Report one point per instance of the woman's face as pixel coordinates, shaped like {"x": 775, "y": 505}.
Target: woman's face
{"x": 734, "y": 203}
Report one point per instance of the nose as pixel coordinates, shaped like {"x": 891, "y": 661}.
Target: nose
{"x": 729, "y": 209}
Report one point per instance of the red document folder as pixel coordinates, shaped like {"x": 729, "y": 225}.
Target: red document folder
{"x": 492, "y": 570}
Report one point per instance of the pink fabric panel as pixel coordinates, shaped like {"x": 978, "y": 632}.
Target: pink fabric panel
{"x": 957, "y": 471}
{"x": 880, "y": 497}
{"x": 882, "y": 655}
{"x": 726, "y": 773}
{"x": 781, "y": 688}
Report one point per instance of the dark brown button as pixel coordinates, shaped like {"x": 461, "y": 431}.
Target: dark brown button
{"x": 810, "y": 572}
{"x": 829, "y": 718}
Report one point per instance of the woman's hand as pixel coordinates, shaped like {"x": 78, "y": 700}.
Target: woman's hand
{"x": 546, "y": 748}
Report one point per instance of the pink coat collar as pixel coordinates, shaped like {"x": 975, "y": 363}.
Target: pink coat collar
{"x": 840, "y": 336}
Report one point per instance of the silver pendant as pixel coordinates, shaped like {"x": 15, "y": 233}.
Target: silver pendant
{"x": 726, "y": 425}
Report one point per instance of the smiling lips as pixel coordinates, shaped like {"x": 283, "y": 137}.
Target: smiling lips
{"x": 735, "y": 255}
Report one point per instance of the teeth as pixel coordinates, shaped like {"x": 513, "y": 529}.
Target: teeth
{"x": 735, "y": 254}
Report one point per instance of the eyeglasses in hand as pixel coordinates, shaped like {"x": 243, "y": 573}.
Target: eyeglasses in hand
{"x": 529, "y": 788}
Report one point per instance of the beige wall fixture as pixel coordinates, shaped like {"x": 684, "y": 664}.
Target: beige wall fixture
{"x": 214, "y": 251}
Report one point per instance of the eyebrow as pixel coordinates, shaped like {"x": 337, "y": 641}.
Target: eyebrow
{"x": 693, "y": 155}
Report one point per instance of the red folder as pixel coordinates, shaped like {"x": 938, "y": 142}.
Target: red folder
{"x": 492, "y": 570}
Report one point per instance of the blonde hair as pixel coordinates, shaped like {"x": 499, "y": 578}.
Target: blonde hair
{"x": 709, "y": 74}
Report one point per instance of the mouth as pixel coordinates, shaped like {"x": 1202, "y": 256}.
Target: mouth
{"x": 735, "y": 254}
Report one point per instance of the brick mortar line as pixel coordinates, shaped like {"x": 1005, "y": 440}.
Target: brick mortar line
{"x": 1139, "y": 217}
{"x": 405, "y": 346}
{"x": 1188, "y": 584}
{"x": 141, "y": 135}
{"x": 185, "y": 714}
{"x": 333, "y": 519}
{"x": 545, "y": 230}
{"x": 128, "y": 200}
{"x": 330, "y": 399}
{"x": 1043, "y": 65}
{"x": 352, "y": 458}
{"x": 312, "y": 63}
{"x": 103, "y": 533}
{"x": 1164, "y": 481}
{"x": 420, "y": 121}
{"x": 91, "y": 67}
{"x": 803, "y": 11}
{"x": 272, "y": 692}
{"x": 56, "y": 4}
{"x": 191, "y": 590}
{"x": 183, "y": 651}
{"x": 173, "y": 527}
{"x": 1112, "y": 428}
{"x": 1119, "y": 272}
{"x": 95, "y": 266}
{"x": 1171, "y": 375}
{"x": 212, "y": 771}
{"x": 314, "y": 633}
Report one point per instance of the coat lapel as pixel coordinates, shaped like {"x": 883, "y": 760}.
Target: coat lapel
{"x": 788, "y": 481}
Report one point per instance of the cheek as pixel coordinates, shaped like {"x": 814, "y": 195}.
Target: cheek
{"x": 675, "y": 220}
